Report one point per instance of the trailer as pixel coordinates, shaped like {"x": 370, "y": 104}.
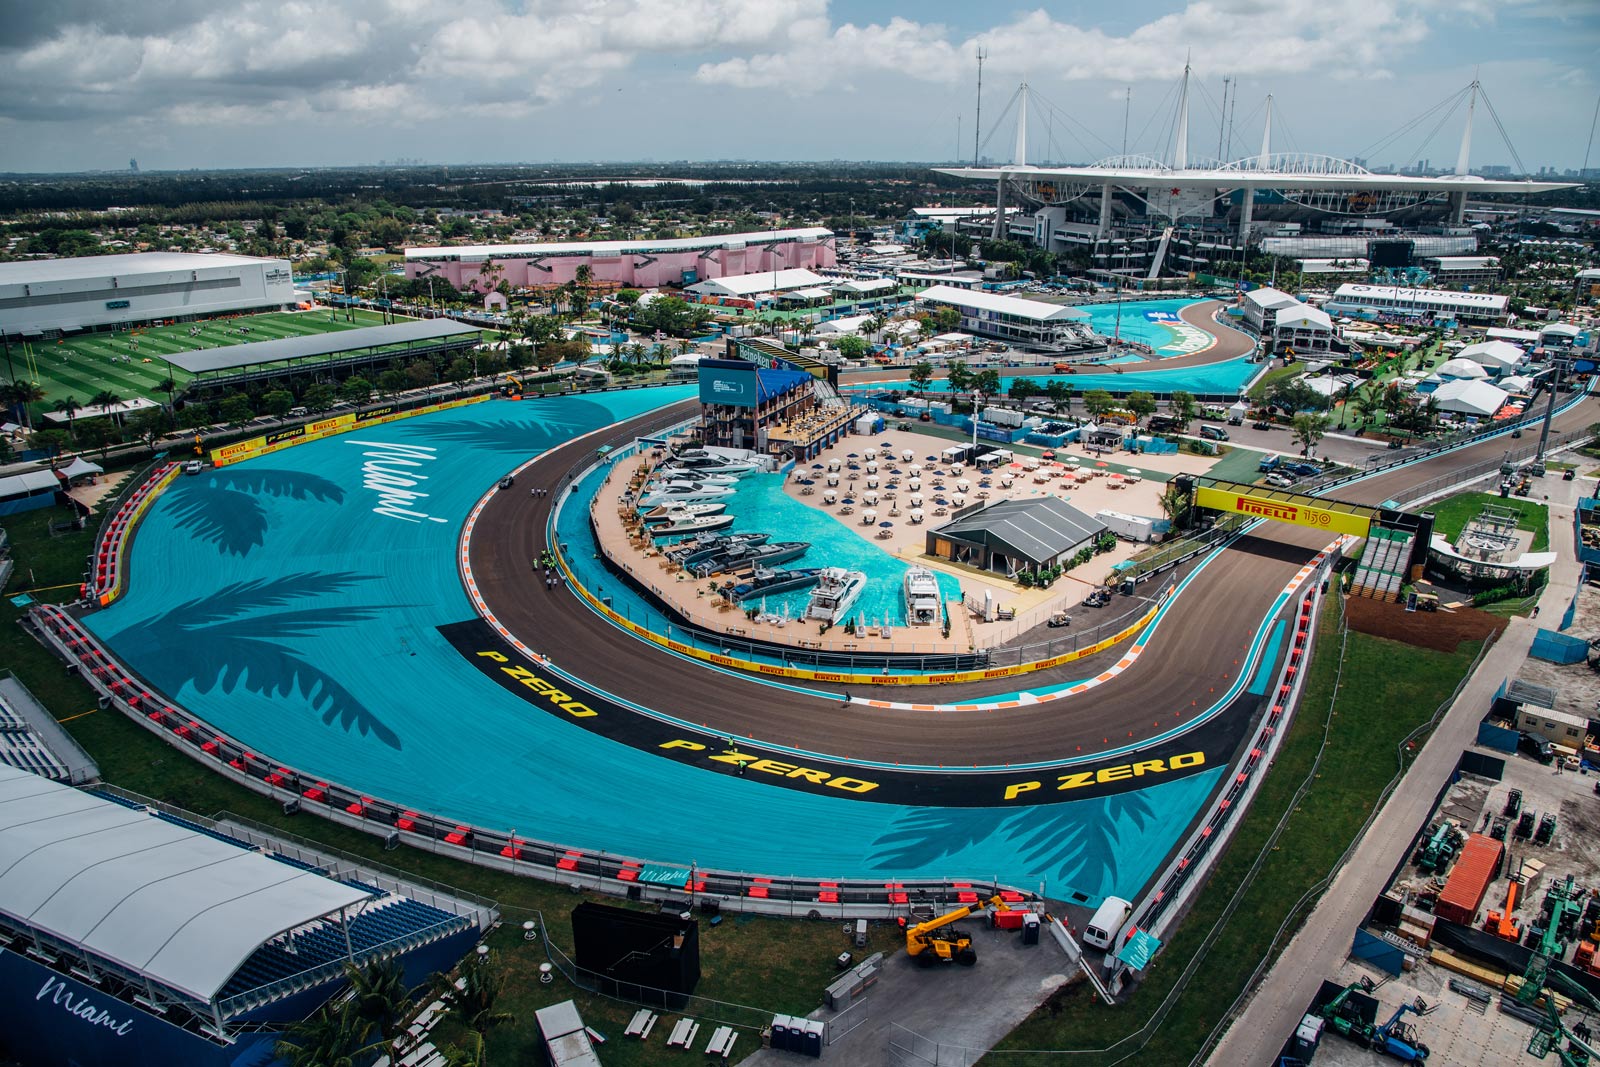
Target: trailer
{"x": 1128, "y": 527}
{"x": 1469, "y": 879}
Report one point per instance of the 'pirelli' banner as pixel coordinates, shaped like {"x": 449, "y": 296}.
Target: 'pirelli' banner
{"x": 1291, "y": 510}
{"x": 315, "y": 431}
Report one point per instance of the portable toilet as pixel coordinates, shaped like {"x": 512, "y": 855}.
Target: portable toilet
{"x": 811, "y": 1038}
{"x": 1030, "y": 929}
{"x": 783, "y": 1033}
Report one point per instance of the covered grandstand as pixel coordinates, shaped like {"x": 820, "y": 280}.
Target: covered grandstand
{"x": 234, "y": 365}
{"x": 133, "y": 934}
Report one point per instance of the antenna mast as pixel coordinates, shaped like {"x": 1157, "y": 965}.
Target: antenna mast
{"x": 977, "y": 122}
{"x": 1222, "y": 117}
{"x": 1127, "y": 103}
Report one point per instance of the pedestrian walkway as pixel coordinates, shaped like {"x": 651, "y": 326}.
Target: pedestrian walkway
{"x": 1324, "y": 940}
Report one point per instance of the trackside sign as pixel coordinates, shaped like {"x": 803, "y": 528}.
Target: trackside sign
{"x": 1295, "y": 512}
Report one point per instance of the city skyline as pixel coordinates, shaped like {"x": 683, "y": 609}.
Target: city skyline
{"x": 89, "y": 85}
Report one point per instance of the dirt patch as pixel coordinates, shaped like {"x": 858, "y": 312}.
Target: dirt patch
{"x": 1442, "y": 631}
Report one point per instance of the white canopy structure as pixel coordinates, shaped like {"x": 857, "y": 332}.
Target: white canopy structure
{"x": 768, "y": 281}
{"x": 1516, "y": 383}
{"x": 78, "y": 468}
{"x": 837, "y": 327}
{"x": 1461, "y": 367}
{"x": 182, "y": 909}
{"x": 1465, "y": 397}
{"x": 1496, "y": 355}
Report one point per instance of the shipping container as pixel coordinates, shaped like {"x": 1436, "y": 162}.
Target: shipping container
{"x": 1469, "y": 879}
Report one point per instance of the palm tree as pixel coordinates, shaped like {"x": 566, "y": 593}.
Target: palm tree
{"x": 330, "y": 1038}
{"x": 582, "y": 279}
{"x": 1308, "y": 430}
{"x": 471, "y": 1003}
{"x": 1347, "y": 393}
{"x": 17, "y": 395}
{"x": 472, "y": 1052}
{"x": 378, "y": 995}
{"x": 104, "y": 400}
{"x": 70, "y": 406}
{"x": 920, "y": 376}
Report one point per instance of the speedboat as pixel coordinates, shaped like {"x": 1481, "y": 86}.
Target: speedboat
{"x": 922, "y": 597}
{"x": 836, "y": 593}
{"x": 764, "y": 582}
{"x": 737, "y": 557}
{"x": 709, "y": 544}
{"x": 700, "y": 459}
{"x": 705, "y": 477}
{"x": 683, "y": 492}
{"x": 692, "y": 524}
{"x": 674, "y": 512}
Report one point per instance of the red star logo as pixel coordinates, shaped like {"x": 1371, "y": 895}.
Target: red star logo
{"x": 1175, "y": 192}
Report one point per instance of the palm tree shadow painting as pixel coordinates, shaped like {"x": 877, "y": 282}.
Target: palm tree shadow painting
{"x": 235, "y": 639}
{"x": 224, "y": 508}
{"x": 555, "y": 425}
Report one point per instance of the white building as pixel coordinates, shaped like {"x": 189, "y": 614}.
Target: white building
{"x": 1261, "y": 307}
{"x": 1496, "y": 357}
{"x": 1023, "y": 323}
{"x": 1463, "y": 270}
{"x": 1484, "y": 309}
{"x": 749, "y": 286}
{"x": 1465, "y": 397}
{"x": 44, "y": 298}
{"x": 1286, "y": 325}
{"x": 1461, "y": 368}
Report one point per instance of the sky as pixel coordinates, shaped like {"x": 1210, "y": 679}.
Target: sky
{"x": 177, "y": 84}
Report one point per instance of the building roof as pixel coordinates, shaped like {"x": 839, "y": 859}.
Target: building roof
{"x": 1461, "y": 368}
{"x": 1004, "y": 305}
{"x": 1502, "y": 333}
{"x": 767, "y": 281}
{"x": 468, "y": 253}
{"x": 1267, "y": 299}
{"x": 1469, "y": 397}
{"x": 865, "y": 285}
{"x": 1499, "y": 354}
{"x": 1559, "y": 329}
{"x": 847, "y": 324}
{"x": 1356, "y": 293}
{"x": 1304, "y": 314}
{"x": 1249, "y": 173}
{"x": 174, "y": 905}
{"x": 28, "y": 482}
{"x": 79, "y": 268}
{"x": 321, "y": 344}
{"x": 1039, "y": 528}
{"x": 1465, "y": 262}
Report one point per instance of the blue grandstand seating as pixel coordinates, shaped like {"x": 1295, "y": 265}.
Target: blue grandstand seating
{"x": 124, "y": 801}
{"x": 208, "y": 831}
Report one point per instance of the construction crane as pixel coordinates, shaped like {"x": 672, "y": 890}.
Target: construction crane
{"x": 939, "y": 941}
{"x": 1561, "y": 900}
{"x": 1499, "y": 922}
{"x": 1579, "y": 1051}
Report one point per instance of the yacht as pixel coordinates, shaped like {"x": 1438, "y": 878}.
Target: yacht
{"x": 683, "y": 492}
{"x": 737, "y": 557}
{"x": 670, "y": 474}
{"x": 674, "y": 512}
{"x": 709, "y": 544}
{"x": 708, "y": 464}
{"x": 836, "y": 593}
{"x": 688, "y": 524}
{"x": 922, "y": 597}
{"x": 764, "y": 582}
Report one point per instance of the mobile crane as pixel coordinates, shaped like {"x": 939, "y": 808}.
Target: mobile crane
{"x": 939, "y": 941}
{"x": 1580, "y": 1052}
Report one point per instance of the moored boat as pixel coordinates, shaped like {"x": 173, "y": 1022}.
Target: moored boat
{"x": 921, "y": 587}
{"x": 836, "y": 593}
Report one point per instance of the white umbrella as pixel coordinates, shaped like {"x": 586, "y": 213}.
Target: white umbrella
{"x": 916, "y": 500}
{"x": 871, "y": 498}
{"x": 869, "y": 517}
{"x": 963, "y": 485}
{"x": 872, "y": 483}
{"x": 914, "y": 484}
{"x": 916, "y": 515}
{"x": 958, "y": 500}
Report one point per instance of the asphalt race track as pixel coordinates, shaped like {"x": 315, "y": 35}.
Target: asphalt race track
{"x": 1197, "y": 653}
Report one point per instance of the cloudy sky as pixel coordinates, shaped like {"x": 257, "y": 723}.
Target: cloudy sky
{"x": 87, "y": 84}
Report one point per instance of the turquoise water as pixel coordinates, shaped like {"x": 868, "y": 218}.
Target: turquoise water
{"x": 284, "y": 602}
{"x": 1136, "y": 326}
{"x": 1227, "y": 378}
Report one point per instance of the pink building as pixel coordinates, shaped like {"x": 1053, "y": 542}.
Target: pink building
{"x": 674, "y": 262}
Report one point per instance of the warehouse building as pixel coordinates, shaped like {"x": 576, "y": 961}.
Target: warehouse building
{"x": 50, "y": 297}
{"x": 1032, "y": 324}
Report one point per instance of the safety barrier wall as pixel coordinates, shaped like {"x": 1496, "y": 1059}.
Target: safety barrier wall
{"x": 110, "y": 562}
{"x": 490, "y": 847}
{"x": 336, "y": 424}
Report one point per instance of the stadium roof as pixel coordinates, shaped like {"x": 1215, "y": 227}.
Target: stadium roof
{"x": 322, "y": 344}
{"x": 1325, "y": 174}
{"x": 1356, "y": 293}
{"x": 181, "y": 908}
{"x": 1005, "y": 305}
{"x": 37, "y": 271}
{"x": 599, "y": 248}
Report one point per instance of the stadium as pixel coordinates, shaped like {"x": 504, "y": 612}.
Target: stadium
{"x": 1146, "y": 218}
{"x": 674, "y": 262}
{"x": 44, "y": 299}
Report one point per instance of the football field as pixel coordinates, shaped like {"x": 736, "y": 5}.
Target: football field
{"x": 128, "y": 363}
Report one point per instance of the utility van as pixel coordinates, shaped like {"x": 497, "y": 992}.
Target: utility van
{"x": 1106, "y": 923}
{"x": 1214, "y": 433}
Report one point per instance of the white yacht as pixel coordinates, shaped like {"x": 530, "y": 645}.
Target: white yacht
{"x": 708, "y": 477}
{"x": 922, "y": 597}
{"x": 675, "y": 512}
{"x": 683, "y": 491}
{"x": 836, "y": 593}
{"x": 689, "y": 524}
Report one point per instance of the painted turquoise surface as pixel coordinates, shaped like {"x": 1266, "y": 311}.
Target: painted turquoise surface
{"x": 273, "y": 600}
{"x": 1133, "y": 324}
{"x": 1227, "y": 377}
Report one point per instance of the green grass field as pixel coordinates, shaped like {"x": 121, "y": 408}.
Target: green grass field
{"x": 1451, "y": 515}
{"x": 81, "y": 366}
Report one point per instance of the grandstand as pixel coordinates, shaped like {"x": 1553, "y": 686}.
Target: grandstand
{"x": 32, "y": 740}
{"x": 134, "y": 933}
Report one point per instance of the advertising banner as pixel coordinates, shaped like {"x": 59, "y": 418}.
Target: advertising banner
{"x": 728, "y": 385}
{"x": 1296, "y": 512}
{"x": 315, "y": 431}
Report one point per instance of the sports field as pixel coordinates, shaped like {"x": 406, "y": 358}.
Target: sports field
{"x": 84, "y": 365}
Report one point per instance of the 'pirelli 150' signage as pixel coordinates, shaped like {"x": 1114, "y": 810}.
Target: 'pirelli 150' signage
{"x": 1291, "y": 511}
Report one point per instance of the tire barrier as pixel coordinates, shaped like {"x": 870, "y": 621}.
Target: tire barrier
{"x": 512, "y": 852}
{"x": 109, "y": 564}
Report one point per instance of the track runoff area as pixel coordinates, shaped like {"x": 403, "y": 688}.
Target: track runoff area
{"x": 633, "y": 735}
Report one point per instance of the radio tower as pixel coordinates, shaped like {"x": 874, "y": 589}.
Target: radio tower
{"x": 977, "y": 122}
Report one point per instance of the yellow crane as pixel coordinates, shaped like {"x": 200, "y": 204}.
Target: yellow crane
{"x": 940, "y": 941}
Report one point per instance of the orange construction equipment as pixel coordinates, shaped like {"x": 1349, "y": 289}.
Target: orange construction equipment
{"x": 1499, "y": 922}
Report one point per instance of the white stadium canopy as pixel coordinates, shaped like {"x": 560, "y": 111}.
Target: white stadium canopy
{"x": 180, "y": 908}
{"x": 1466, "y": 397}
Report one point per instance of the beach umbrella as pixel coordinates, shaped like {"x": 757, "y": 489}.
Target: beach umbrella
{"x": 1074, "y": 460}
{"x": 1102, "y": 463}
{"x": 885, "y": 524}
{"x": 851, "y": 455}
{"x": 848, "y": 500}
{"x": 816, "y": 466}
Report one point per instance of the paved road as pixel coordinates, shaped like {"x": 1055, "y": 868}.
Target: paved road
{"x": 1324, "y": 940}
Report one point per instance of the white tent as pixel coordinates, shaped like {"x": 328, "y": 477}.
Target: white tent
{"x": 1516, "y": 383}
{"x": 1465, "y": 397}
{"x": 78, "y": 468}
{"x": 847, "y": 324}
{"x": 1461, "y": 367}
{"x": 1496, "y": 355}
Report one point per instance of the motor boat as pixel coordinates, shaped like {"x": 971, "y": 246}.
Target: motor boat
{"x": 674, "y": 512}
{"x": 921, "y": 587}
{"x": 836, "y": 593}
{"x": 738, "y": 557}
{"x": 706, "y": 461}
{"x": 764, "y": 582}
{"x": 683, "y": 492}
{"x": 706, "y": 477}
{"x": 688, "y": 524}
{"x": 703, "y": 545}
